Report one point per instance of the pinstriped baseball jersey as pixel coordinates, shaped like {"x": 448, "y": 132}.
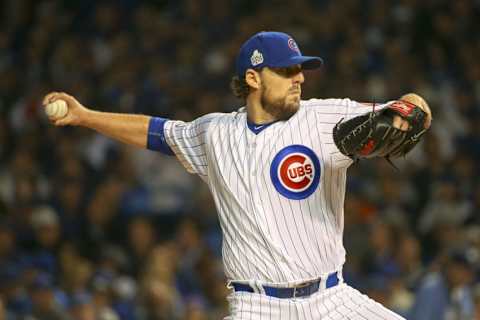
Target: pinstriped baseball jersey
{"x": 279, "y": 188}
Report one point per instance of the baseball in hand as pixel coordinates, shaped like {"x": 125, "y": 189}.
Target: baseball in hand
{"x": 57, "y": 109}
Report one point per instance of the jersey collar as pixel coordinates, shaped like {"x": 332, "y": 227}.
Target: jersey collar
{"x": 257, "y": 128}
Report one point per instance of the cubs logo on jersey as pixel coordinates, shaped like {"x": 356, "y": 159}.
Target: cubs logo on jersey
{"x": 295, "y": 172}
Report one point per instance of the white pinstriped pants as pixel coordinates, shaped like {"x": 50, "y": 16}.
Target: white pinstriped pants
{"x": 337, "y": 303}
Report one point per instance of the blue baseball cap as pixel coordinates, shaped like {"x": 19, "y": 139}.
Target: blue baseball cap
{"x": 272, "y": 49}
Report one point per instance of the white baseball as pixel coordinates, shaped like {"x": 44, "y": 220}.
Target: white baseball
{"x": 57, "y": 109}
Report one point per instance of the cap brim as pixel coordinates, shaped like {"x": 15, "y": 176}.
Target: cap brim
{"x": 307, "y": 62}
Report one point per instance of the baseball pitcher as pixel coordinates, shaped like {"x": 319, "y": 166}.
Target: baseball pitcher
{"x": 277, "y": 170}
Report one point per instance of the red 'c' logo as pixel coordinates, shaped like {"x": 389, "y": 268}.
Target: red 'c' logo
{"x": 296, "y": 172}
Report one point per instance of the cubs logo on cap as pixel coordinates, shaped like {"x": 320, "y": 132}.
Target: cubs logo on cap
{"x": 295, "y": 172}
{"x": 293, "y": 45}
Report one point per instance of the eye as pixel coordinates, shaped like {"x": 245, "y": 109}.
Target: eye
{"x": 288, "y": 72}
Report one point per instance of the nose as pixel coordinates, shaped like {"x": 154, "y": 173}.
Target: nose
{"x": 299, "y": 78}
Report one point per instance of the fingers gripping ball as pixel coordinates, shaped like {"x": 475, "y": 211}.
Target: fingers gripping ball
{"x": 57, "y": 109}
{"x": 374, "y": 135}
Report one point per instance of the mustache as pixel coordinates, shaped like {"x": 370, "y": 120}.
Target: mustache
{"x": 295, "y": 89}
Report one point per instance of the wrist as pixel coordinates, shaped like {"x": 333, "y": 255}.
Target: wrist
{"x": 87, "y": 118}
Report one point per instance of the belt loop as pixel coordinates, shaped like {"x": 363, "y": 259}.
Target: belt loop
{"x": 260, "y": 287}
{"x": 257, "y": 288}
{"x": 340, "y": 276}
{"x": 323, "y": 283}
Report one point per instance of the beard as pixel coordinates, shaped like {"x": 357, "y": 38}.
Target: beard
{"x": 279, "y": 108}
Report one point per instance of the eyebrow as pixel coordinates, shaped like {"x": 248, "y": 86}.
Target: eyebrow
{"x": 287, "y": 71}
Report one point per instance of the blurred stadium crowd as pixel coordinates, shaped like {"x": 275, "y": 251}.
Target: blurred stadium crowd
{"x": 91, "y": 229}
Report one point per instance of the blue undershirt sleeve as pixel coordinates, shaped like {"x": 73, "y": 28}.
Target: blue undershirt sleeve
{"x": 156, "y": 136}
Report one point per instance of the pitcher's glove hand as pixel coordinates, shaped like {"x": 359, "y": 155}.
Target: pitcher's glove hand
{"x": 373, "y": 134}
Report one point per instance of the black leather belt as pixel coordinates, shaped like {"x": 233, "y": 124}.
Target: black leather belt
{"x": 302, "y": 290}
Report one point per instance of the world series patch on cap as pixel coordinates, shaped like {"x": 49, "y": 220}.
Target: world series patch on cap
{"x": 273, "y": 49}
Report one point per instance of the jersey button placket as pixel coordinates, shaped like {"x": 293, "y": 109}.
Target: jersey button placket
{"x": 254, "y": 164}
{"x": 253, "y": 167}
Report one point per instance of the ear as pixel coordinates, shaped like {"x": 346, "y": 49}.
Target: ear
{"x": 252, "y": 78}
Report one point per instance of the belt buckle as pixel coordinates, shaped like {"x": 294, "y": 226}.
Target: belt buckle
{"x": 300, "y": 290}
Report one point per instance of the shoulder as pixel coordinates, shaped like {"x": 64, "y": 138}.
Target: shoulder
{"x": 326, "y": 103}
{"x": 206, "y": 120}
{"x": 218, "y": 120}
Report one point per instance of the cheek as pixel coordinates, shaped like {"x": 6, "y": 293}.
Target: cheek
{"x": 277, "y": 90}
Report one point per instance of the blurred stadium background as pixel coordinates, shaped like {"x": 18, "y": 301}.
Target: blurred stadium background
{"x": 91, "y": 229}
